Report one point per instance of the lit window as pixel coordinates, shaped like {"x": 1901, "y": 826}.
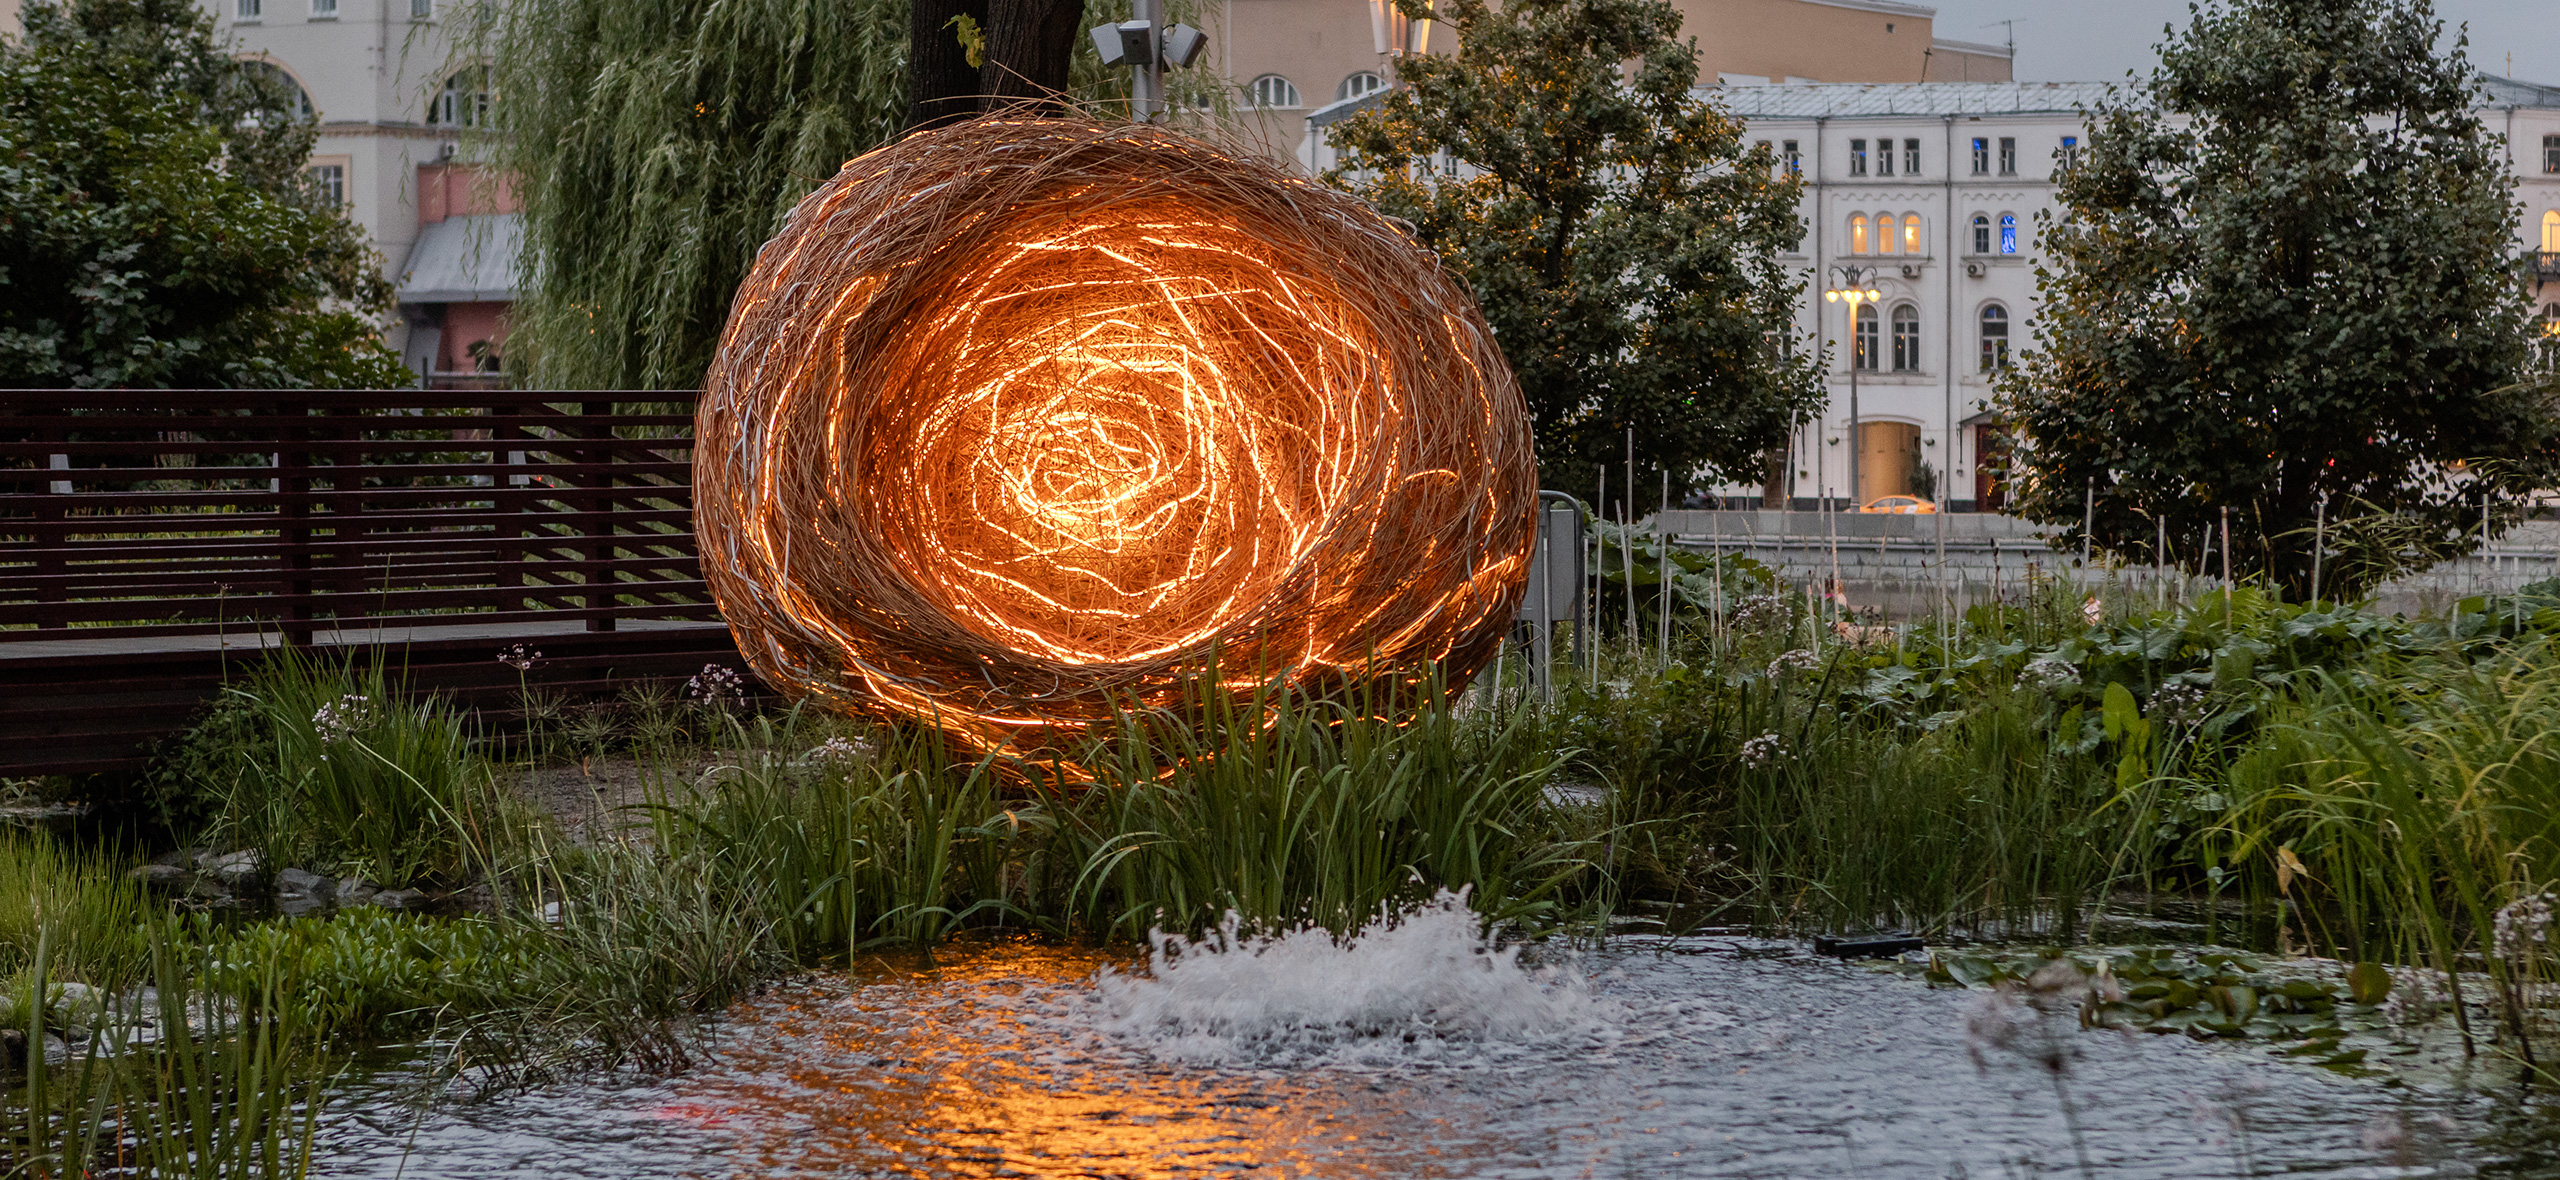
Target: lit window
{"x": 1864, "y": 339}
{"x": 1795, "y": 159}
{"x": 2551, "y": 153}
{"x": 1858, "y": 234}
{"x": 1911, "y": 157}
{"x": 1857, "y": 157}
{"x": 1981, "y": 234}
{"x": 1911, "y": 233}
{"x": 1906, "y": 339}
{"x": 329, "y": 183}
{"x": 248, "y": 10}
{"x": 1360, "y": 85}
{"x": 464, "y": 100}
{"x": 2008, "y": 156}
{"x": 1981, "y": 157}
{"x": 2551, "y": 231}
{"x": 2008, "y": 233}
{"x": 324, "y": 9}
{"x": 1272, "y": 90}
{"x": 1886, "y": 237}
{"x": 1995, "y": 338}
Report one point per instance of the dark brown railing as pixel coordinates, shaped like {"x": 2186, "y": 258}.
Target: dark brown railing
{"x": 154, "y": 513}
{"x": 2546, "y": 266}
{"x": 153, "y": 542}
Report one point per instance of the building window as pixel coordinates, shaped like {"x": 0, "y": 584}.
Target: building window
{"x": 1911, "y": 233}
{"x": 2008, "y": 233}
{"x": 1795, "y": 158}
{"x": 324, "y": 9}
{"x": 463, "y": 101}
{"x": 1884, "y": 157}
{"x": 2551, "y": 154}
{"x": 298, "y": 98}
{"x": 1995, "y": 338}
{"x": 1858, "y": 234}
{"x": 1981, "y": 157}
{"x": 1864, "y": 339}
{"x": 329, "y": 183}
{"x": 1887, "y": 234}
{"x": 1911, "y": 157}
{"x": 421, "y": 9}
{"x": 2008, "y": 156}
{"x": 1906, "y": 339}
{"x": 2551, "y": 231}
{"x": 2070, "y": 152}
{"x": 1272, "y": 90}
{"x": 1857, "y": 157}
{"x": 1981, "y": 234}
{"x": 247, "y": 10}
{"x": 1360, "y": 85}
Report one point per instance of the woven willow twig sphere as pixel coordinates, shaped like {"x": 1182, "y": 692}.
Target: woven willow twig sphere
{"x": 1025, "y": 420}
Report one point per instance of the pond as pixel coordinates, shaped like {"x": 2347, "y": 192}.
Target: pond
{"x": 1420, "y": 1052}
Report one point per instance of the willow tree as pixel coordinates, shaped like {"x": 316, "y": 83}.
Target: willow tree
{"x": 2284, "y": 287}
{"x": 658, "y": 144}
{"x": 1623, "y": 244}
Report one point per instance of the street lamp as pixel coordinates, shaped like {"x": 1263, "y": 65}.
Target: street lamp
{"x": 1853, "y": 290}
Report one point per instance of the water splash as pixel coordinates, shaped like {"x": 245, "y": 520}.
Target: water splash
{"x": 1409, "y": 987}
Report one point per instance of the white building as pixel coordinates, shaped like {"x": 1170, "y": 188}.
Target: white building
{"x": 1931, "y": 190}
{"x": 392, "y": 101}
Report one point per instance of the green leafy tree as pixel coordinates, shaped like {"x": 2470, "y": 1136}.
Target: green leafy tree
{"x": 155, "y": 227}
{"x": 2284, "y": 285}
{"x": 658, "y": 144}
{"x": 1622, "y": 243}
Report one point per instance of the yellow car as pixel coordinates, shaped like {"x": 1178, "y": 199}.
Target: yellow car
{"x": 1908, "y": 505}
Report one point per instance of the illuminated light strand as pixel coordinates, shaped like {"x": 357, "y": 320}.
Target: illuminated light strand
{"x": 1024, "y": 420}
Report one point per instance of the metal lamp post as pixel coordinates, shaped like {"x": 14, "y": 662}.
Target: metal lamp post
{"x": 1854, "y": 291}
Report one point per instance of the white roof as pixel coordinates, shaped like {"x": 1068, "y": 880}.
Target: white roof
{"x": 471, "y": 259}
{"x": 1815, "y": 100}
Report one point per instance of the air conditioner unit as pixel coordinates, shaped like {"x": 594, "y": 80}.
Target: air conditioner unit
{"x": 1973, "y": 270}
{"x": 1911, "y": 270}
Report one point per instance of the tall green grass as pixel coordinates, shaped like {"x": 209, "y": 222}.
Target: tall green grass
{"x": 346, "y": 773}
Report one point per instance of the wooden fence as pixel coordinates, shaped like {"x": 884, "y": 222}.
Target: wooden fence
{"x": 152, "y": 539}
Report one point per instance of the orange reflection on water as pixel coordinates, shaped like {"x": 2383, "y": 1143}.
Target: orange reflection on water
{"x": 970, "y": 1064}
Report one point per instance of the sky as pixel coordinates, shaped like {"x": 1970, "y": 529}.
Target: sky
{"x": 2098, "y": 40}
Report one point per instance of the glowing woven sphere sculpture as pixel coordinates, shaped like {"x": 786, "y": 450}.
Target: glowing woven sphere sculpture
{"x": 1023, "y": 420}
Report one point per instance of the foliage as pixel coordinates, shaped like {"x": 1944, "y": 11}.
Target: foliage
{"x": 96, "y": 922}
{"x": 345, "y": 773}
{"x": 369, "y": 972}
{"x": 1621, "y": 241}
{"x": 2286, "y": 286}
{"x": 155, "y": 228}
{"x": 660, "y": 144}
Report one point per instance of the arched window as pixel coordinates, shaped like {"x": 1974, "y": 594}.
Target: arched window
{"x": 2551, "y": 231}
{"x": 1272, "y": 90}
{"x": 2008, "y": 233}
{"x": 1995, "y": 338}
{"x": 1858, "y": 234}
{"x": 296, "y": 98}
{"x": 1906, "y": 339}
{"x": 464, "y": 100}
{"x": 1911, "y": 233}
{"x": 1864, "y": 339}
{"x": 1360, "y": 85}
{"x": 1981, "y": 234}
{"x": 1888, "y": 238}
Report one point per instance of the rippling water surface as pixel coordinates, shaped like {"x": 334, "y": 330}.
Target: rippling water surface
{"x": 1413, "y": 1055}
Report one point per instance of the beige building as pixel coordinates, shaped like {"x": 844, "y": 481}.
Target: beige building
{"x": 1291, "y": 58}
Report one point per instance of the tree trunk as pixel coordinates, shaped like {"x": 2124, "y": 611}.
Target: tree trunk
{"x": 942, "y": 87}
{"x": 1029, "y": 43}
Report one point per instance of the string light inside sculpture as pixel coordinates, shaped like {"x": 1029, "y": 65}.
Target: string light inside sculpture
{"x": 1023, "y": 420}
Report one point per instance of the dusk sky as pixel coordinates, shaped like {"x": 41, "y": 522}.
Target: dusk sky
{"x": 2098, "y": 40}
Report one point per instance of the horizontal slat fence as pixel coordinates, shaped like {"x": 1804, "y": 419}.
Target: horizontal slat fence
{"x": 146, "y": 532}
